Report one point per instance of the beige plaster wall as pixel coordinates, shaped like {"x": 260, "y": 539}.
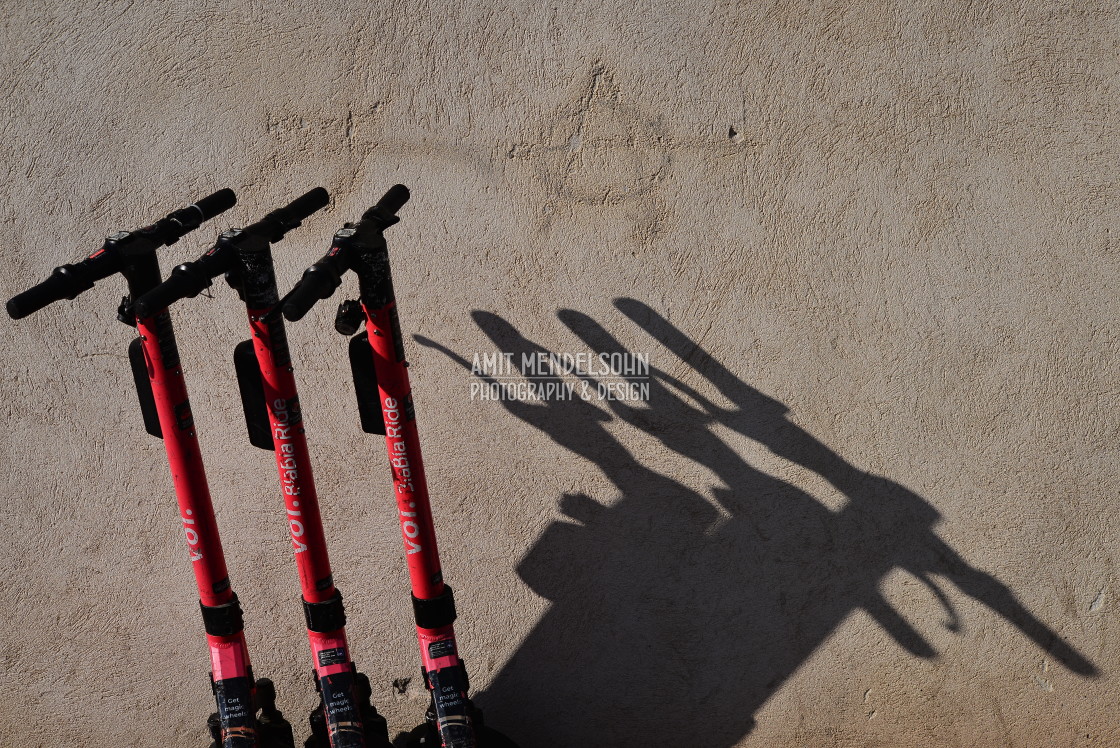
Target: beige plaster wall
{"x": 870, "y": 248}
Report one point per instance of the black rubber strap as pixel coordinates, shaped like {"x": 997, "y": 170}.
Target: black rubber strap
{"x": 435, "y": 613}
{"x": 325, "y": 616}
{"x": 222, "y": 620}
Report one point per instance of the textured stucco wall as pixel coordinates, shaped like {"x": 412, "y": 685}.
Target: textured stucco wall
{"x": 871, "y": 249}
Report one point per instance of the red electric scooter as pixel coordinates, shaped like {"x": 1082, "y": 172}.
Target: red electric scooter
{"x": 385, "y": 407}
{"x": 167, "y": 414}
{"x": 344, "y": 718}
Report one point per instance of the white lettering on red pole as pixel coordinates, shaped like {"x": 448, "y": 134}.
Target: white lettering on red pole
{"x": 192, "y": 536}
{"x": 402, "y": 471}
{"x": 289, "y": 469}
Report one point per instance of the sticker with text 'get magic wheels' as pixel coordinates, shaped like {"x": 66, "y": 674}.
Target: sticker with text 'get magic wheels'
{"x": 336, "y": 684}
{"x": 233, "y": 689}
{"x": 344, "y": 723}
{"x": 235, "y": 707}
{"x": 449, "y": 691}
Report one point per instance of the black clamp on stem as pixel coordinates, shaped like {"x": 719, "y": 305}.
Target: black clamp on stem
{"x": 436, "y": 612}
{"x": 350, "y": 317}
{"x": 325, "y": 616}
{"x": 224, "y": 619}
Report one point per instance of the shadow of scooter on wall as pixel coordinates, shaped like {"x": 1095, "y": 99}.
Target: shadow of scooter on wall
{"x": 675, "y": 615}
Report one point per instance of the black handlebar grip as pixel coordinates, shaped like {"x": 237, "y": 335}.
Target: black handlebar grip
{"x": 394, "y": 199}
{"x": 62, "y": 283}
{"x": 179, "y": 285}
{"x": 215, "y": 204}
{"x": 305, "y": 205}
{"x": 318, "y": 282}
{"x": 57, "y": 286}
{"x": 36, "y": 297}
{"x": 282, "y": 220}
{"x": 390, "y": 202}
{"x": 300, "y": 301}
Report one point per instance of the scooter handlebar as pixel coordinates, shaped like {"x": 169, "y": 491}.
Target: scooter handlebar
{"x": 391, "y": 201}
{"x": 191, "y": 278}
{"x": 321, "y": 279}
{"x": 67, "y": 281}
